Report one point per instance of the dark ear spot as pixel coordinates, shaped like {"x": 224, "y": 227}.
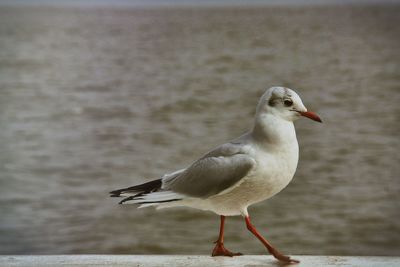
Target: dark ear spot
{"x": 273, "y": 101}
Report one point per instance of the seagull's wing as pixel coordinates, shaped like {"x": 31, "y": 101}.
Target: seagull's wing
{"x": 217, "y": 171}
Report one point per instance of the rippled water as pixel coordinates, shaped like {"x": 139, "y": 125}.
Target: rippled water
{"x": 93, "y": 99}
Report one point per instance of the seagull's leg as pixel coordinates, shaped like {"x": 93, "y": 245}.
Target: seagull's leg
{"x": 270, "y": 248}
{"x": 219, "y": 249}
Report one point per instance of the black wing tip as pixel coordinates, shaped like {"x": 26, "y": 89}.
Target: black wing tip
{"x": 130, "y": 198}
{"x": 141, "y": 188}
{"x": 126, "y": 199}
{"x": 115, "y": 193}
{"x": 152, "y": 202}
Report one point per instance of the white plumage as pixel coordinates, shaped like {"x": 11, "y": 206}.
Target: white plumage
{"x": 237, "y": 174}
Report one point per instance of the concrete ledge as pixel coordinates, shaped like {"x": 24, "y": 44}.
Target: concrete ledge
{"x": 185, "y": 261}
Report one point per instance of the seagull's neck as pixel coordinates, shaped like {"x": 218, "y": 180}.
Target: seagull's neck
{"x": 271, "y": 130}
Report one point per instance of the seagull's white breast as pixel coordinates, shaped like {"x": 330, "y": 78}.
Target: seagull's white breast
{"x": 274, "y": 171}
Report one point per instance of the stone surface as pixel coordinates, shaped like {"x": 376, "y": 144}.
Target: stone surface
{"x": 187, "y": 261}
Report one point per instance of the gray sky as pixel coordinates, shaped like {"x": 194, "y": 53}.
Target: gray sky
{"x": 193, "y": 2}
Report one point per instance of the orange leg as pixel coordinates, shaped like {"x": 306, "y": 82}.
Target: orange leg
{"x": 269, "y": 247}
{"x": 219, "y": 249}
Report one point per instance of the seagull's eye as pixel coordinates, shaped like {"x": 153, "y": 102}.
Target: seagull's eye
{"x": 288, "y": 102}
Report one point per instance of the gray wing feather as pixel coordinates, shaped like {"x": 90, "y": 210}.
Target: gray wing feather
{"x": 213, "y": 173}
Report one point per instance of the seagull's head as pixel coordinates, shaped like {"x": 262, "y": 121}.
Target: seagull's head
{"x": 284, "y": 103}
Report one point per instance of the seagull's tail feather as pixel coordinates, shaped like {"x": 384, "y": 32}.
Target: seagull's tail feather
{"x": 147, "y": 194}
{"x": 157, "y": 198}
{"x": 138, "y": 189}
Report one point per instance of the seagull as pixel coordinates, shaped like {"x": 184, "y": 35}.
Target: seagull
{"x": 237, "y": 174}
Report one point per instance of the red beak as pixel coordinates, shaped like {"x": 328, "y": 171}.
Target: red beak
{"x": 311, "y": 115}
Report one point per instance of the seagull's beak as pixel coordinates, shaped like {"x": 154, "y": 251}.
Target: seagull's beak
{"x": 310, "y": 115}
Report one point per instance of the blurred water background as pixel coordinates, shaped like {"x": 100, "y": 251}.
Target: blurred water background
{"x": 94, "y": 98}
